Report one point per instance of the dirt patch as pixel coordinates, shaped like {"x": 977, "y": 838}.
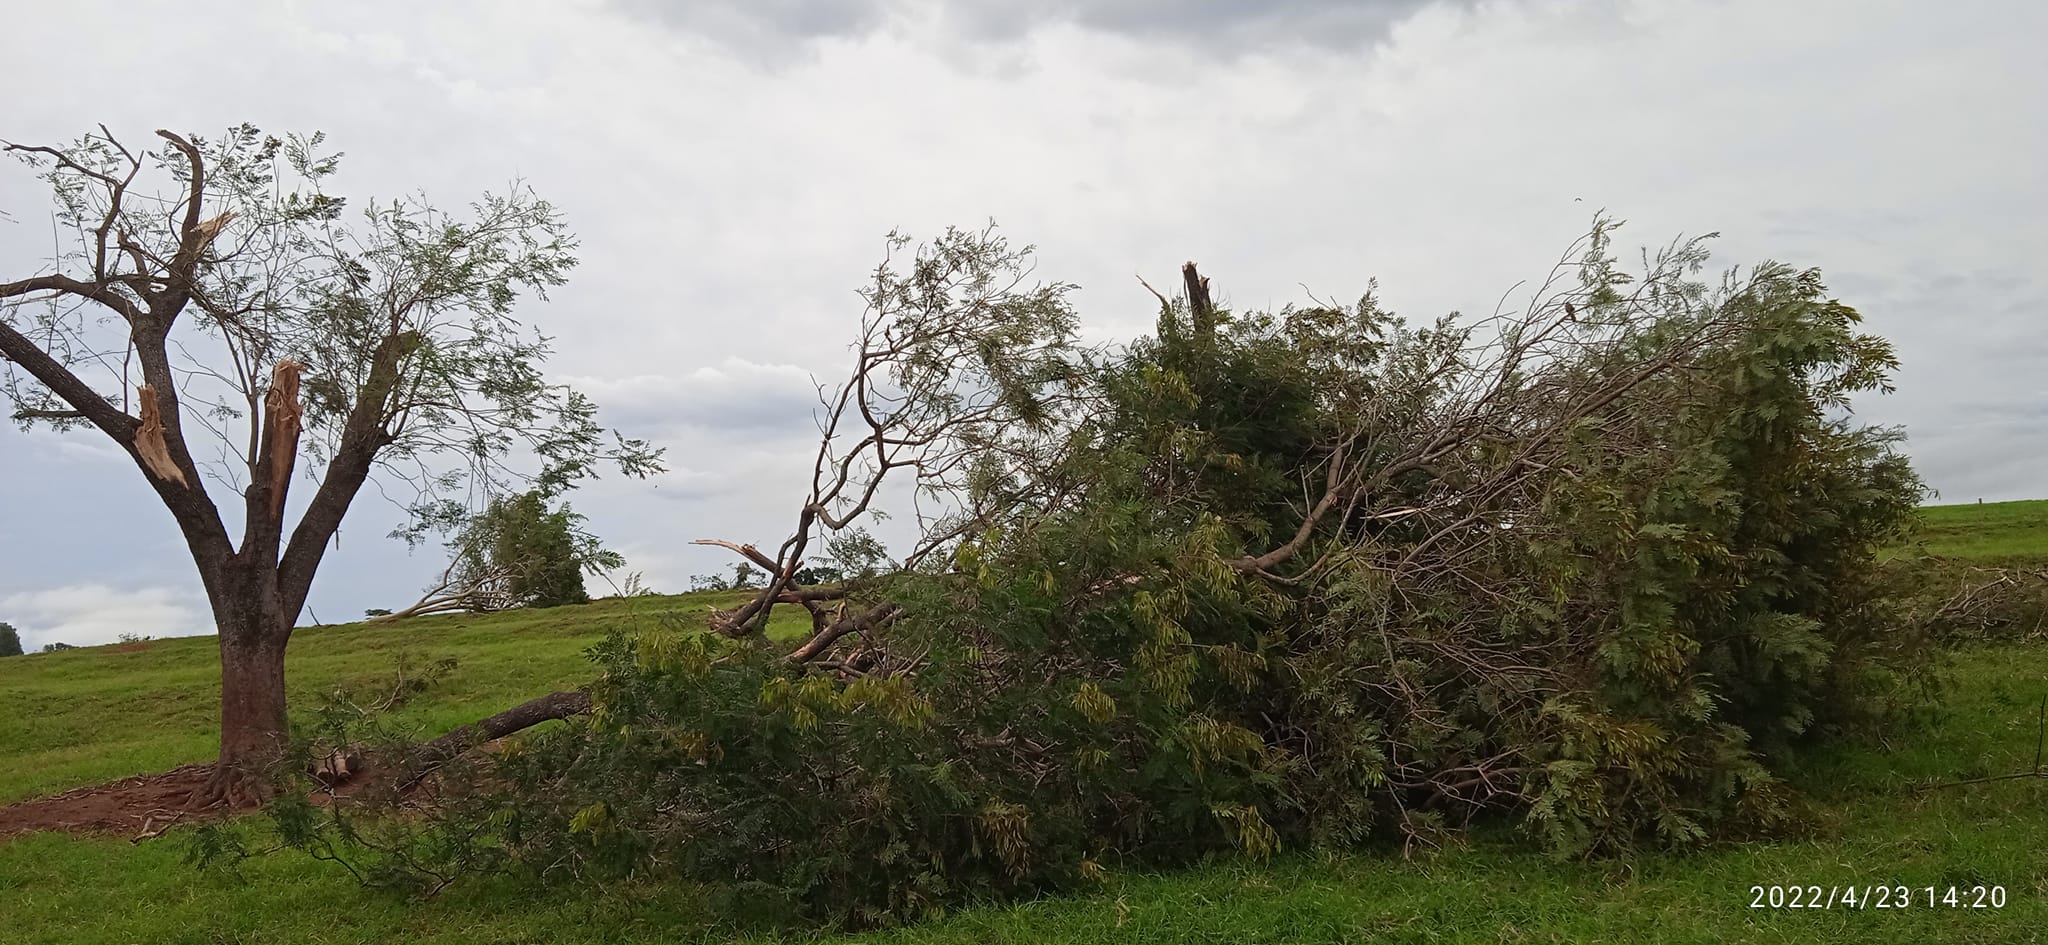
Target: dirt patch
{"x": 149, "y": 804}
{"x": 132, "y": 646}
{"x": 130, "y": 806}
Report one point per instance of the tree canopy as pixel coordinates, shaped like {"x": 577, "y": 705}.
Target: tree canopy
{"x": 216, "y": 313}
{"x": 517, "y": 552}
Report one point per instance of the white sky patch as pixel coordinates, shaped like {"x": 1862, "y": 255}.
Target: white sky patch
{"x": 732, "y": 173}
{"x": 92, "y": 614}
{"x": 70, "y": 448}
{"x": 734, "y": 394}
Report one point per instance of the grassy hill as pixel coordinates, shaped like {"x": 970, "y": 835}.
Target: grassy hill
{"x": 92, "y": 714}
{"x": 1993, "y": 530}
{"x": 87, "y": 715}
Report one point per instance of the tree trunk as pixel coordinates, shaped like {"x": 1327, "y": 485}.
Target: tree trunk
{"x": 253, "y": 729}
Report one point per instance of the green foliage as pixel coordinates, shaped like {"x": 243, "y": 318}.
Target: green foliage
{"x": 1313, "y": 579}
{"x": 10, "y": 641}
{"x": 747, "y": 577}
{"x": 520, "y": 553}
{"x": 818, "y": 573}
{"x": 1732, "y": 561}
{"x": 401, "y": 289}
{"x": 57, "y": 886}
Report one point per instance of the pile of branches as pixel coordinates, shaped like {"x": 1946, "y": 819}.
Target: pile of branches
{"x": 1592, "y": 567}
{"x": 1961, "y": 600}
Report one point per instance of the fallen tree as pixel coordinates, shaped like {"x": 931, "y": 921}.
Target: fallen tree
{"x": 1595, "y": 565}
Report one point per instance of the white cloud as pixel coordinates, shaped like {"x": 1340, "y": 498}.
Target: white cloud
{"x": 73, "y": 448}
{"x": 734, "y": 396}
{"x": 729, "y": 206}
{"x": 91, "y": 614}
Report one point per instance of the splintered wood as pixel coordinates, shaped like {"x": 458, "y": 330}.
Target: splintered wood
{"x": 149, "y": 440}
{"x": 282, "y": 420}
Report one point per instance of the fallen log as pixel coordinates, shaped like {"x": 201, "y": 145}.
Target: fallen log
{"x": 555, "y": 705}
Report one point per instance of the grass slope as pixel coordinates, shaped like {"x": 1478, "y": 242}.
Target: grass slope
{"x": 74, "y": 718}
{"x": 1994, "y": 530}
{"x": 93, "y": 714}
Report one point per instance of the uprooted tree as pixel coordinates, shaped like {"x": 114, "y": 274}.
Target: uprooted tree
{"x": 1311, "y": 578}
{"x": 217, "y": 328}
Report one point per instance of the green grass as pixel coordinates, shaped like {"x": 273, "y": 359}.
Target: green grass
{"x": 57, "y": 888}
{"x": 1994, "y": 530}
{"x": 97, "y": 713}
{"x": 87, "y": 715}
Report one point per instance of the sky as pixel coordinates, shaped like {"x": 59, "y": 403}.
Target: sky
{"x": 732, "y": 166}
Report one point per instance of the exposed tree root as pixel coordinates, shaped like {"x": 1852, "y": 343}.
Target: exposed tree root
{"x": 231, "y": 787}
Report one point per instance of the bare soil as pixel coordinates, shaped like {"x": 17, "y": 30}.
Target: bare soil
{"x": 134, "y": 807}
{"x": 147, "y": 805}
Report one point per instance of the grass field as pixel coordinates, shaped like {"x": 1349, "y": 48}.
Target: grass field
{"x": 1993, "y": 530}
{"x": 97, "y": 713}
{"x": 82, "y": 716}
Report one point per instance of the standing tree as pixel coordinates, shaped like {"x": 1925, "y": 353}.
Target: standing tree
{"x": 219, "y": 327}
{"x": 10, "y": 642}
{"x": 516, "y": 553}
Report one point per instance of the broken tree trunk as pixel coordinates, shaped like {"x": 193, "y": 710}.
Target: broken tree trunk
{"x": 282, "y": 423}
{"x": 149, "y": 439}
{"x": 1201, "y": 310}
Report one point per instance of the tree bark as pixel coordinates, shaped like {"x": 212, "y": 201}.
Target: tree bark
{"x": 253, "y": 633}
{"x": 252, "y": 703}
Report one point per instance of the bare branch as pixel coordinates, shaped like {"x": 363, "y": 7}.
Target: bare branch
{"x": 957, "y": 364}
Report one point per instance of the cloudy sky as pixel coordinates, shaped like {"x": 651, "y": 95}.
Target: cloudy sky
{"x": 731, "y": 167}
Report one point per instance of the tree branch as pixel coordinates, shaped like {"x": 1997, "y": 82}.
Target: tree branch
{"x": 821, "y": 641}
{"x": 362, "y": 435}
{"x": 97, "y": 292}
{"x": 192, "y": 238}
{"x": 197, "y": 518}
{"x": 748, "y": 552}
{"x": 271, "y": 464}
{"x": 87, "y": 402}
{"x": 431, "y": 755}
